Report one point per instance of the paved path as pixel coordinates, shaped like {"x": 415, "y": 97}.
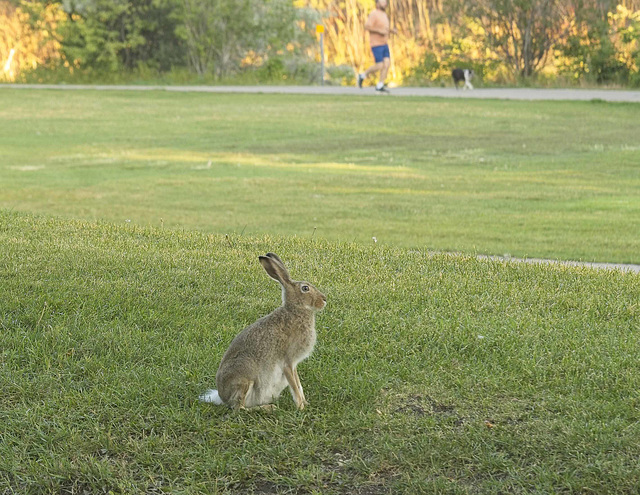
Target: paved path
{"x": 599, "y": 266}
{"x": 491, "y": 93}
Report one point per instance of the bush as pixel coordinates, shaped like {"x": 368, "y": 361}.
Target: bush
{"x": 341, "y": 75}
{"x": 434, "y": 72}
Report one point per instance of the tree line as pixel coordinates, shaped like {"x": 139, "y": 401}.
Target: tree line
{"x": 504, "y": 41}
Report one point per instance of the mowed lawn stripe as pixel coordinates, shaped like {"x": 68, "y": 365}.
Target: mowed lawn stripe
{"x": 538, "y": 179}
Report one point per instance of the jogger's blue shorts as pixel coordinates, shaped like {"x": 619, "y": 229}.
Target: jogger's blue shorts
{"x": 380, "y": 53}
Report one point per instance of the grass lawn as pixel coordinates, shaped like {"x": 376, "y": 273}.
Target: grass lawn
{"x": 539, "y": 179}
{"x": 432, "y": 373}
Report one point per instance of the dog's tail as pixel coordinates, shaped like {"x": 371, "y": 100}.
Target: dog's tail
{"x": 211, "y": 396}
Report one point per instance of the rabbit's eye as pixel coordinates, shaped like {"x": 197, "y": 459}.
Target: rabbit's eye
{"x": 304, "y": 288}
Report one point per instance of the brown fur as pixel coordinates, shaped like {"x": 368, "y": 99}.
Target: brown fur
{"x": 263, "y": 358}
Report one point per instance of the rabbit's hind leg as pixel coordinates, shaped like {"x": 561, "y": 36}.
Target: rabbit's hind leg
{"x": 239, "y": 395}
{"x": 248, "y": 399}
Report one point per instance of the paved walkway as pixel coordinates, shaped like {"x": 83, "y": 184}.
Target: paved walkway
{"x": 599, "y": 266}
{"x": 491, "y": 93}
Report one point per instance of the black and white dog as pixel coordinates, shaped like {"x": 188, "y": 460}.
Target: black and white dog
{"x": 460, "y": 75}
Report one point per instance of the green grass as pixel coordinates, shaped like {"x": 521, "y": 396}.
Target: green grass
{"x": 147, "y": 76}
{"x": 432, "y": 373}
{"x": 539, "y": 179}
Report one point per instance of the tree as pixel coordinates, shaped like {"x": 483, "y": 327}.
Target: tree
{"x": 107, "y": 35}
{"x": 521, "y": 32}
{"x": 26, "y": 40}
{"x": 220, "y": 33}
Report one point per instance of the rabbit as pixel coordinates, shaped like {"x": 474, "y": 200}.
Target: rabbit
{"x": 262, "y": 359}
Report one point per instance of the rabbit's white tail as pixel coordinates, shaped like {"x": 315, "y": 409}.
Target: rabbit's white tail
{"x": 211, "y": 396}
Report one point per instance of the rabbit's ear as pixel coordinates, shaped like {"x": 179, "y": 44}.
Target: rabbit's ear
{"x": 275, "y": 257}
{"x": 275, "y": 269}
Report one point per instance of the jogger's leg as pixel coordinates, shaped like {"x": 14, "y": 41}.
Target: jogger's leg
{"x": 384, "y": 70}
{"x": 374, "y": 68}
